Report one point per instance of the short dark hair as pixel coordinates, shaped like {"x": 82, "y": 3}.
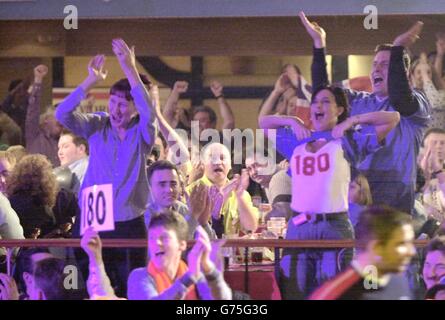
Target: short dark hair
{"x": 387, "y": 47}
{"x": 436, "y": 244}
{"x": 433, "y": 291}
{"x": 49, "y": 277}
{"x": 77, "y": 140}
{"x": 160, "y": 165}
{"x": 340, "y": 99}
{"x": 208, "y": 110}
{"x": 123, "y": 85}
{"x": 24, "y": 263}
{"x": 379, "y": 223}
{"x": 431, "y": 131}
{"x": 170, "y": 220}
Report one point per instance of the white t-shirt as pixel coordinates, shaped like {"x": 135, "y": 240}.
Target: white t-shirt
{"x": 320, "y": 180}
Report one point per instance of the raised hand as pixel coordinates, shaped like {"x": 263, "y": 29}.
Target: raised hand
{"x": 8, "y": 288}
{"x": 154, "y": 94}
{"x": 96, "y": 71}
{"x": 40, "y": 72}
{"x": 197, "y": 172}
{"x": 423, "y": 65}
{"x": 283, "y": 83}
{"x": 217, "y": 88}
{"x": 195, "y": 256}
{"x": 180, "y": 87}
{"x": 198, "y": 202}
{"x": 440, "y": 45}
{"x": 409, "y": 37}
{"x": 216, "y": 202}
{"x": 91, "y": 244}
{"x": 206, "y": 263}
{"x": 243, "y": 184}
{"x": 316, "y": 32}
{"x": 293, "y": 76}
{"x": 124, "y": 54}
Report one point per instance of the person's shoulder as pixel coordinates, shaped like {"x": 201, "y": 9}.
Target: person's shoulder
{"x": 335, "y": 288}
{"x": 421, "y": 97}
{"x": 138, "y": 274}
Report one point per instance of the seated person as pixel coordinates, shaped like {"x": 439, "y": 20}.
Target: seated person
{"x": 163, "y": 178}
{"x": 166, "y": 276}
{"x": 434, "y": 265}
{"x": 233, "y": 211}
{"x": 43, "y": 278}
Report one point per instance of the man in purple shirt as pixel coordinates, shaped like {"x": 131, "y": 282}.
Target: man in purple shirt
{"x": 119, "y": 143}
{"x": 391, "y": 171}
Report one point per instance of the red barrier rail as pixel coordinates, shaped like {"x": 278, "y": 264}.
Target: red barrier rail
{"x": 141, "y": 243}
{"x": 243, "y": 243}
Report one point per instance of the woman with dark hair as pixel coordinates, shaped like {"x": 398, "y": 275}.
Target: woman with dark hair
{"x": 32, "y": 190}
{"x": 321, "y": 172}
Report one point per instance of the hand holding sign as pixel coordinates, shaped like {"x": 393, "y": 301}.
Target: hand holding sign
{"x": 97, "y": 208}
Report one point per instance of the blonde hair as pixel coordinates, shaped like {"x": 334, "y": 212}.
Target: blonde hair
{"x": 365, "y": 197}
{"x": 8, "y": 156}
{"x": 34, "y": 175}
{"x": 17, "y": 151}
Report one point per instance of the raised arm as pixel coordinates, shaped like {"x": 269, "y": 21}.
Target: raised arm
{"x": 282, "y": 84}
{"x": 438, "y": 62}
{"x": 224, "y": 107}
{"x": 142, "y": 100}
{"x": 98, "y": 283}
{"x": 79, "y": 123}
{"x": 399, "y": 90}
{"x": 318, "y": 68}
{"x": 32, "y": 122}
{"x": 435, "y": 97}
{"x": 179, "y": 151}
{"x": 171, "y": 105}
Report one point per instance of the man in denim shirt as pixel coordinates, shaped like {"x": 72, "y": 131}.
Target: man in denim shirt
{"x": 119, "y": 142}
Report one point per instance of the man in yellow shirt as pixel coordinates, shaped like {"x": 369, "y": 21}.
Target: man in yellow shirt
{"x": 232, "y": 206}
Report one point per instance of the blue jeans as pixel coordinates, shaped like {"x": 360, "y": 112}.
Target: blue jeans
{"x": 304, "y": 270}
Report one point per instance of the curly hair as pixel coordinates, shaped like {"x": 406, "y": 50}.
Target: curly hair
{"x": 34, "y": 175}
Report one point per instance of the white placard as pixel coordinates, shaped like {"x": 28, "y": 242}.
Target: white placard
{"x": 97, "y": 208}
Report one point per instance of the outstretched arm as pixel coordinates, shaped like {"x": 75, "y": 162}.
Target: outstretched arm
{"x": 383, "y": 121}
{"x": 171, "y": 105}
{"x": 399, "y": 90}
{"x": 98, "y": 283}
{"x": 79, "y": 123}
{"x": 318, "y": 68}
{"x": 282, "y": 84}
{"x": 179, "y": 150}
{"x": 438, "y": 62}
{"x": 143, "y": 102}
{"x": 224, "y": 107}
{"x": 32, "y": 122}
